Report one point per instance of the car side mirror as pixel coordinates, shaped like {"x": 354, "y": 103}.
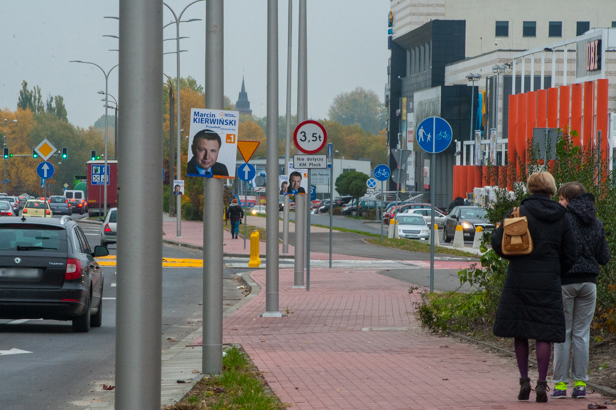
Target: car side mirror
{"x": 100, "y": 250}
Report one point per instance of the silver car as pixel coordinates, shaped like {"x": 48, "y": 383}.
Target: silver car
{"x": 439, "y": 218}
{"x": 109, "y": 228}
{"x": 412, "y": 227}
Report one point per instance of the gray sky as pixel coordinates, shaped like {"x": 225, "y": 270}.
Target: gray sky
{"x": 347, "y": 48}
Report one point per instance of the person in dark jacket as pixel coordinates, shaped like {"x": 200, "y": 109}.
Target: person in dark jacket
{"x": 579, "y": 289}
{"x": 235, "y": 213}
{"x": 531, "y": 304}
{"x": 459, "y": 201}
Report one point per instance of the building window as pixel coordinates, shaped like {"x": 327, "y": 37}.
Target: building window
{"x": 582, "y": 27}
{"x": 613, "y": 24}
{"x": 502, "y": 29}
{"x": 529, "y": 29}
{"x": 556, "y": 29}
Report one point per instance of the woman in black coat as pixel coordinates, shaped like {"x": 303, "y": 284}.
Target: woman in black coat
{"x": 531, "y": 305}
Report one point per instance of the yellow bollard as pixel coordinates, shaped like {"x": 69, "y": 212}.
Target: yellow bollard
{"x": 255, "y": 261}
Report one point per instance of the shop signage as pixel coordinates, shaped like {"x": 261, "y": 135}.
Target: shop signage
{"x": 593, "y": 55}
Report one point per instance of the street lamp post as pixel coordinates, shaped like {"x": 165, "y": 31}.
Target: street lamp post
{"x": 178, "y": 19}
{"x": 106, "y": 74}
{"x": 115, "y": 127}
{"x": 5, "y": 124}
{"x": 472, "y": 77}
{"x": 497, "y": 69}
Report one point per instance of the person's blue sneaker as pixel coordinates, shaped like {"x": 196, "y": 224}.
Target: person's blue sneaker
{"x": 579, "y": 392}
{"x": 559, "y": 394}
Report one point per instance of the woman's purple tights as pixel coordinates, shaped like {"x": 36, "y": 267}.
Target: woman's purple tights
{"x": 543, "y": 357}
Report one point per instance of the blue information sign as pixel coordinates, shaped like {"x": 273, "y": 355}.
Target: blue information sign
{"x": 246, "y": 172}
{"x": 313, "y": 192}
{"x": 371, "y": 183}
{"x": 45, "y": 170}
{"x": 434, "y": 135}
{"x": 382, "y": 172}
{"x": 99, "y": 176}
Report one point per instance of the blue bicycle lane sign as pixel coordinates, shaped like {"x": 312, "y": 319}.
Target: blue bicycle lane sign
{"x": 434, "y": 135}
{"x": 382, "y": 172}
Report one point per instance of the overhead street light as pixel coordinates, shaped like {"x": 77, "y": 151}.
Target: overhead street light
{"x": 106, "y": 74}
{"x": 473, "y": 77}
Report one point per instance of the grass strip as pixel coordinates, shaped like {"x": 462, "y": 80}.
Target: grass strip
{"x": 418, "y": 246}
{"x": 239, "y": 386}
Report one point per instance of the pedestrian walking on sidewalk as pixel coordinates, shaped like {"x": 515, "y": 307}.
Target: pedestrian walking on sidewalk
{"x": 235, "y": 213}
{"x": 579, "y": 289}
{"x": 531, "y": 304}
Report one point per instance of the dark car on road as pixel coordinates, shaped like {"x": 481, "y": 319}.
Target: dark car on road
{"x": 469, "y": 217}
{"x": 47, "y": 270}
{"x": 59, "y": 205}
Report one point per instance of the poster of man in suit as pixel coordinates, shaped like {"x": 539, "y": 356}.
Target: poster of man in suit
{"x": 213, "y": 143}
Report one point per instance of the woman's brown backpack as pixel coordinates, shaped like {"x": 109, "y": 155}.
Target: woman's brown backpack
{"x": 516, "y": 237}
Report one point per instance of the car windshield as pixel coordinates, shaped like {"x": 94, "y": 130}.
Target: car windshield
{"x": 26, "y": 237}
{"x": 473, "y": 213}
{"x": 410, "y": 220}
{"x": 113, "y": 216}
{"x": 57, "y": 200}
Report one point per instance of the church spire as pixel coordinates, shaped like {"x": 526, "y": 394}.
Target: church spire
{"x": 242, "y": 104}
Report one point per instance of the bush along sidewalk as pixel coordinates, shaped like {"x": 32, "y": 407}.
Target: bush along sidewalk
{"x": 239, "y": 386}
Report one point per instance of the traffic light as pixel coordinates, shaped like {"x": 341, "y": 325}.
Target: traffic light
{"x": 34, "y": 153}
{"x": 64, "y": 153}
{"x": 6, "y": 152}
{"x": 93, "y": 155}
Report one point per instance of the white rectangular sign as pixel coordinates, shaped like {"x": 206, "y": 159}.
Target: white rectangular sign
{"x": 310, "y": 161}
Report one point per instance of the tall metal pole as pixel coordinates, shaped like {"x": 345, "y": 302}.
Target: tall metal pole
{"x": 432, "y": 211}
{"x": 300, "y": 207}
{"x": 212, "y": 198}
{"x": 471, "y": 138}
{"x": 171, "y": 150}
{"x": 398, "y": 184}
{"x": 287, "y": 147}
{"x": 106, "y": 182}
{"x": 139, "y": 307}
{"x": 272, "y": 167}
{"x": 245, "y": 214}
{"x": 331, "y": 204}
{"x": 302, "y": 112}
{"x": 382, "y": 199}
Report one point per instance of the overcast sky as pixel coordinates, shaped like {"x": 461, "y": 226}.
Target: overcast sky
{"x": 347, "y": 48}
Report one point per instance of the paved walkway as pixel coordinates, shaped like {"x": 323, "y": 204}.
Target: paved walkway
{"x": 353, "y": 342}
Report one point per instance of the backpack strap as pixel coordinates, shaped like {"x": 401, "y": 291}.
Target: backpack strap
{"x": 516, "y": 212}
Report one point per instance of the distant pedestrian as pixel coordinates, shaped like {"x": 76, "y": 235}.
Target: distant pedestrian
{"x": 235, "y": 213}
{"x": 579, "y": 289}
{"x": 531, "y": 304}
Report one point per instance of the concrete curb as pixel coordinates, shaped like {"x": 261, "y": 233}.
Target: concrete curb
{"x": 231, "y": 255}
{"x": 469, "y": 258}
{"x": 85, "y": 221}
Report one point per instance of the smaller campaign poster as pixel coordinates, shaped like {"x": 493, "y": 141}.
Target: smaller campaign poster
{"x": 178, "y": 187}
{"x": 298, "y": 180}
{"x": 213, "y": 143}
{"x": 283, "y": 184}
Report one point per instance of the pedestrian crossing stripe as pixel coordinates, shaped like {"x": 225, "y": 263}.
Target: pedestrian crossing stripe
{"x": 110, "y": 260}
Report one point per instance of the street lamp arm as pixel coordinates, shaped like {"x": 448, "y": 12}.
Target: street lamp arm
{"x": 196, "y": 1}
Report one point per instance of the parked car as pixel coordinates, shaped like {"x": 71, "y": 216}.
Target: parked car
{"x": 37, "y": 208}
{"x": 426, "y": 213}
{"x": 109, "y": 228}
{"x": 412, "y": 227}
{"x": 6, "y": 209}
{"x": 350, "y": 208}
{"x": 323, "y": 207}
{"x": 341, "y": 201}
{"x": 59, "y": 205}
{"x": 404, "y": 207}
{"x": 469, "y": 217}
{"x": 47, "y": 270}
{"x": 257, "y": 209}
{"x": 365, "y": 205}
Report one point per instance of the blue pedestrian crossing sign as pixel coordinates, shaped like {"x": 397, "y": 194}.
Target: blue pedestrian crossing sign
{"x": 382, "y": 172}
{"x": 45, "y": 170}
{"x": 246, "y": 172}
{"x": 371, "y": 183}
{"x": 434, "y": 135}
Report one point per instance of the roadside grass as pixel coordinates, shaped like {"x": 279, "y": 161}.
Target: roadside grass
{"x": 249, "y": 230}
{"x": 459, "y": 312}
{"x": 418, "y": 246}
{"x": 239, "y": 386}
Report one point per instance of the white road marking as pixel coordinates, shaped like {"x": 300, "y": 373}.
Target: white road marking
{"x": 12, "y": 351}
{"x": 113, "y": 285}
{"x": 20, "y": 321}
{"x": 109, "y": 298}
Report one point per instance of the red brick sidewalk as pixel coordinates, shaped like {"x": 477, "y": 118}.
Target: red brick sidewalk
{"x": 334, "y": 350}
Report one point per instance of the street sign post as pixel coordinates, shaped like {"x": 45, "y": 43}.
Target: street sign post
{"x": 246, "y": 172}
{"x": 310, "y": 137}
{"x": 99, "y": 176}
{"x": 45, "y": 149}
{"x": 371, "y": 183}
{"x": 247, "y": 149}
{"x": 382, "y": 173}
{"x": 45, "y": 170}
{"x": 434, "y": 135}
{"x": 310, "y": 161}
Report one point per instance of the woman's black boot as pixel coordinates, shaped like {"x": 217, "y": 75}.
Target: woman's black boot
{"x": 542, "y": 391}
{"x": 524, "y": 388}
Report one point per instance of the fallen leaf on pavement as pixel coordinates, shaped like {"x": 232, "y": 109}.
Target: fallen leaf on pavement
{"x": 597, "y": 406}
{"x": 181, "y": 381}
{"x": 196, "y": 371}
{"x": 108, "y": 387}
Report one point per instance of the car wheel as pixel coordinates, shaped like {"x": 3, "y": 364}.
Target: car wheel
{"x": 81, "y": 324}
{"x": 97, "y": 319}
{"x": 354, "y": 213}
{"x": 445, "y": 236}
{"x": 81, "y": 211}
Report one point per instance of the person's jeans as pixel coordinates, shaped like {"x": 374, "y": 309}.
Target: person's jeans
{"x": 235, "y": 226}
{"x": 579, "y": 304}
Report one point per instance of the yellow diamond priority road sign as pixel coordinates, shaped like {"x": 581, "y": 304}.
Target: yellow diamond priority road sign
{"x": 45, "y": 149}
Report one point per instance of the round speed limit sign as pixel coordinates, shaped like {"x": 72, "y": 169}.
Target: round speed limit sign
{"x": 310, "y": 137}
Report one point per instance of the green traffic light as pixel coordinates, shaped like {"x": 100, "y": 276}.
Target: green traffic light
{"x": 98, "y": 157}
{"x": 11, "y": 155}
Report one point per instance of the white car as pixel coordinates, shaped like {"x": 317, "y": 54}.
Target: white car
{"x": 439, "y": 218}
{"x": 412, "y": 227}
{"x": 109, "y": 228}
{"x": 257, "y": 209}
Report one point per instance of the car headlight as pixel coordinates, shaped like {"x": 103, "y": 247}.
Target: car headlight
{"x": 254, "y": 211}
{"x": 467, "y": 225}
{"x": 425, "y": 231}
